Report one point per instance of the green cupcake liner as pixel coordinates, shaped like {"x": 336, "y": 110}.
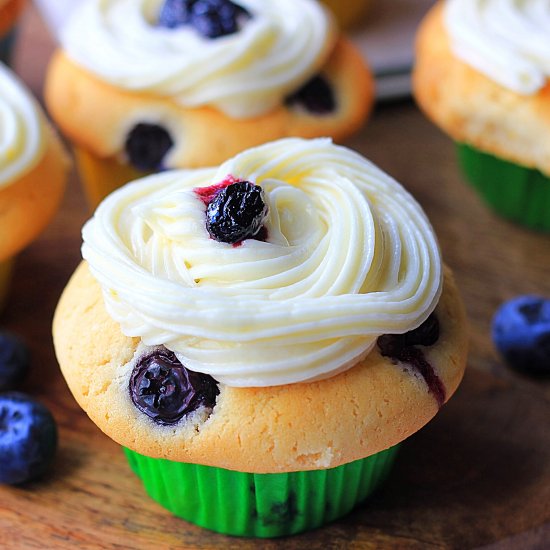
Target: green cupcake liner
{"x": 6, "y": 46}
{"x": 260, "y": 505}
{"x": 515, "y": 192}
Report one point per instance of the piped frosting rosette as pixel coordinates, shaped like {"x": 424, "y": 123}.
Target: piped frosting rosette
{"x": 349, "y": 255}
{"x": 22, "y": 129}
{"x": 244, "y": 74}
{"x": 507, "y": 40}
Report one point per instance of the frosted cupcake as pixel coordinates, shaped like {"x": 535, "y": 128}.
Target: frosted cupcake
{"x": 33, "y": 170}
{"x": 145, "y": 86}
{"x": 482, "y": 75}
{"x": 261, "y": 336}
{"x": 9, "y": 12}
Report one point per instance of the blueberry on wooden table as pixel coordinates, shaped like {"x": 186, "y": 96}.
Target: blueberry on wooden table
{"x": 28, "y": 438}
{"x": 521, "y": 332}
{"x": 14, "y": 360}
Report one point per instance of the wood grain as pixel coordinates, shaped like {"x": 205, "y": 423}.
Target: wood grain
{"x": 477, "y": 476}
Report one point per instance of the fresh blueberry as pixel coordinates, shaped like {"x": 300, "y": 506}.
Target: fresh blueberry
{"x": 163, "y": 389}
{"x": 28, "y": 438}
{"x": 146, "y": 146}
{"x": 521, "y": 332}
{"x": 211, "y": 18}
{"x": 236, "y": 213}
{"x": 14, "y": 361}
{"x": 316, "y": 96}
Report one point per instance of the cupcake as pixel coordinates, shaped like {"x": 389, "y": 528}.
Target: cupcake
{"x": 482, "y": 74}
{"x": 140, "y": 87}
{"x": 33, "y": 171}
{"x": 9, "y": 12}
{"x": 349, "y": 13}
{"x": 261, "y": 336}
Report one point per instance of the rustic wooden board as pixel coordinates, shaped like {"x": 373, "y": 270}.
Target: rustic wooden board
{"x": 477, "y": 476}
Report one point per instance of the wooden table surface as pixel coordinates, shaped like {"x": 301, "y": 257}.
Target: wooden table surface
{"x": 477, "y": 476}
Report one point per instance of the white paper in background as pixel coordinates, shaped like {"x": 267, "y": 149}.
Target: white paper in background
{"x": 386, "y": 38}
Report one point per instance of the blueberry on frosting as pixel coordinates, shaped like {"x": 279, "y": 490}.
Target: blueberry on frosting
{"x": 147, "y": 145}
{"x": 211, "y": 18}
{"x": 163, "y": 389}
{"x": 237, "y": 212}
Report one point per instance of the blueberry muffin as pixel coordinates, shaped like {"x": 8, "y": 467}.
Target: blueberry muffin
{"x": 481, "y": 74}
{"x": 261, "y": 336}
{"x": 33, "y": 172}
{"x": 9, "y": 12}
{"x": 140, "y": 87}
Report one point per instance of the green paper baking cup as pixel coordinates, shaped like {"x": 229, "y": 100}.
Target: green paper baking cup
{"x": 515, "y": 192}
{"x": 6, "y": 46}
{"x": 260, "y": 505}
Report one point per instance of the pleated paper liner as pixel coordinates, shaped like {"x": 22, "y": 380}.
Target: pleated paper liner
{"x": 515, "y": 192}
{"x": 260, "y": 505}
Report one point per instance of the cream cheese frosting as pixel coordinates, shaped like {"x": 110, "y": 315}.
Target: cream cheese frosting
{"x": 22, "y": 129}
{"x": 243, "y": 74}
{"x": 349, "y": 256}
{"x": 507, "y": 40}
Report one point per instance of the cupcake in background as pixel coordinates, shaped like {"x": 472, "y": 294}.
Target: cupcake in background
{"x": 261, "y": 336}
{"x": 33, "y": 172}
{"x": 482, "y": 74}
{"x": 140, "y": 87}
{"x": 349, "y": 13}
{"x": 9, "y": 12}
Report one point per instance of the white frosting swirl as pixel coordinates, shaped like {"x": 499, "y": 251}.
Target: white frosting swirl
{"x": 507, "y": 40}
{"x": 243, "y": 74}
{"x": 349, "y": 256}
{"x": 22, "y": 139}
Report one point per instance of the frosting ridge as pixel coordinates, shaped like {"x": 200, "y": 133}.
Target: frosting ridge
{"x": 22, "y": 141}
{"x": 243, "y": 74}
{"x": 349, "y": 256}
{"x": 507, "y": 40}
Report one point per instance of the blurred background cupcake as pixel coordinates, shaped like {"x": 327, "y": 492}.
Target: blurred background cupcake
{"x": 482, "y": 75}
{"x": 33, "y": 170}
{"x": 142, "y": 87}
{"x": 9, "y": 12}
